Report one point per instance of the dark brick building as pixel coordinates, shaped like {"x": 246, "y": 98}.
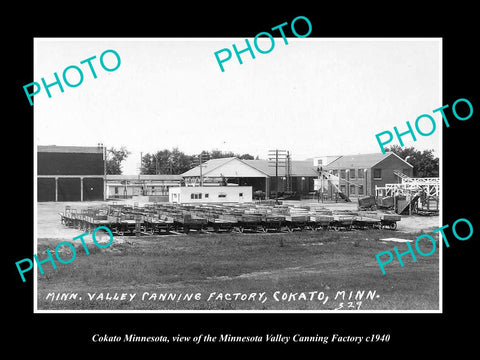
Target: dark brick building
{"x": 359, "y": 174}
{"x": 70, "y": 173}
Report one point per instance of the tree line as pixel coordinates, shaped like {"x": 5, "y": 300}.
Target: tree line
{"x": 166, "y": 161}
{"x": 176, "y": 162}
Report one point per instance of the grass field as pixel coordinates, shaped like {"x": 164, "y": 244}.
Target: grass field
{"x": 320, "y": 264}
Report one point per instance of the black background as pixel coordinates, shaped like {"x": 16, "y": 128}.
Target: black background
{"x": 410, "y": 333}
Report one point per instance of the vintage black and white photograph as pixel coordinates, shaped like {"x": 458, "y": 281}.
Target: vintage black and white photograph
{"x": 271, "y": 174}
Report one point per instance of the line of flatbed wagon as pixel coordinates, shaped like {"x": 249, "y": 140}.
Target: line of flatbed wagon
{"x": 167, "y": 218}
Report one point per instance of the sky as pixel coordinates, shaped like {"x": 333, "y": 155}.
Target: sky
{"x": 313, "y": 97}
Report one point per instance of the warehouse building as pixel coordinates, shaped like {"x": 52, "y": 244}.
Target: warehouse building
{"x": 70, "y": 173}
{"x": 296, "y": 177}
{"x": 154, "y": 186}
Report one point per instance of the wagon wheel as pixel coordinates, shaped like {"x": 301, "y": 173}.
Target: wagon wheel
{"x": 289, "y": 228}
{"x": 393, "y": 226}
{"x": 264, "y": 229}
{"x": 240, "y": 228}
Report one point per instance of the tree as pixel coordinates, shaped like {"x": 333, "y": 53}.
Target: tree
{"x": 148, "y": 164}
{"x": 115, "y": 157}
{"x": 424, "y": 163}
{"x": 166, "y": 162}
{"x": 246, "y": 157}
{"x": 217, "y": 154}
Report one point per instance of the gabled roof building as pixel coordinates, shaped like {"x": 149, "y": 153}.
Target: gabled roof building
{"x": 260, "y": 174}
{"x": 359, "y": 174}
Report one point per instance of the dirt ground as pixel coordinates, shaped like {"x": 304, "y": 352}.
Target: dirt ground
{"x": 50, "y": 227}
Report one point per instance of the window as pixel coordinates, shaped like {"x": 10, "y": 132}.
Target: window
{"x": 342, "y": 174}
{"x": 361, "y": 173}
{"x": 377, "y": 174}
{"x": 206, "y": 196}
{"x": 192, "y": 196}
{"x": 360, "y": 190}
{"x": 352, "y": 173}
{"x": 342, "y": 188}
{"x": 352, "y": 189}
{"x": 222, "y": 195}
{"x": 116, "y": 190}
{"x": 241, "y": 194}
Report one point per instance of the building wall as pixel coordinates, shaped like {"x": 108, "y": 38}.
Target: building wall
{"x": 355, "y": 182}
{"x": 152, "y": 188}
{"x": 51, "y": 163}
{"x": 69, "y": 189}
{"x": 92, "y": 189}
{"x": 368, "y": 181}
{"x": 300, "y": 184}
{"x": 70, "y": 175}
{"x": 210, "y": 194}
{"x": 45, "y": 189}
{"x": 386, "y": 167}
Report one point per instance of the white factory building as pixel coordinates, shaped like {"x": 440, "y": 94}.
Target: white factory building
{"x": 210, "y": 194}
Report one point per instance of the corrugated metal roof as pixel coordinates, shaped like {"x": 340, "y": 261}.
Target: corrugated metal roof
{"x": 360, "y": 161}
{"x": 70, "y": 149}
{"x": 299, "y": 168}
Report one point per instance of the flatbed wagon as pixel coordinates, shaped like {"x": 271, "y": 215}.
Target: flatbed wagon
{"x": 172, "y": 218}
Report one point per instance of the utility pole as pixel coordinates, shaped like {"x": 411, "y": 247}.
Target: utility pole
{"x": 201, "y": 158}
{"x": 279, "y": 157}
{"x": 104, "y": 156}
{"x": 276, "y": 176}
{"x": 201, "y": 174}
{"x": 139, "y": 172}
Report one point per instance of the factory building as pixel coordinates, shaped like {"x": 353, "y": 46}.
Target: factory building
{"x": 70, "y": 173}
{"x": 358, "y": 175}
{"x": 297, "y": 177}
